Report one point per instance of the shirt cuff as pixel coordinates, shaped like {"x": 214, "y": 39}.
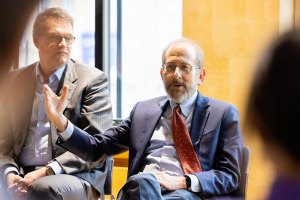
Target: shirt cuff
{"x": 10, "y": 169}
{"x": 55, "y": 166}
{"x": 66, "y": 134}
{"x": 195, "y": 185}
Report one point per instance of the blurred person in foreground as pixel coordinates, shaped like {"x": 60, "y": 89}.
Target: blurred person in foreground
{"x": 32, "y": 166}
{"x": 181, "y": 146}
{"x": 12, "y": 27}
{"x": 274, "y": 110}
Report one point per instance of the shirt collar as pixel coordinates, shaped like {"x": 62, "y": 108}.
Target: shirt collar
{"x": 187, "y": 106}
{"x": 57, "y": 74}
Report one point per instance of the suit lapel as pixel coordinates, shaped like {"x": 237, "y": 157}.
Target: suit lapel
{"x": 148, "y": 124}
{"x": 199, "y": 120}
{"x": 70, "y": 80}
{"x": 22, "y": 98}
{"x": 151, "y": 119}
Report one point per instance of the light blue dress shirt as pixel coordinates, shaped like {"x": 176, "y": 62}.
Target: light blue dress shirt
{"x": 37, "y": 149}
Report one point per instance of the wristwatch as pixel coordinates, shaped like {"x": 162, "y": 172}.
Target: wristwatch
{"x": 187, "y": 181}
{"x": 49, "y": 171}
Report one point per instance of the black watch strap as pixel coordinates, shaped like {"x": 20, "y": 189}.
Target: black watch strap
{"x": 187, "y": 181}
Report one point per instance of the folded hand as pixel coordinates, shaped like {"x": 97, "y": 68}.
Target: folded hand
{"x": 170, "y": 182}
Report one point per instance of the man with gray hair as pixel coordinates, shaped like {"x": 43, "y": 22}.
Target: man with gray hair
{"x": 181, "y": 146}
{"x": 32, "y": 165}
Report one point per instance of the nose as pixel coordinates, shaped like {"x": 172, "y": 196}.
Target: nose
{"x": 63, "y": 42}
{"x": 177, "y": 72}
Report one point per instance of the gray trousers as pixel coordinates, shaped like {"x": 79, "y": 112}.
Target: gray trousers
{"x": 62, "y": 186}
{"x": 146, "y": 187}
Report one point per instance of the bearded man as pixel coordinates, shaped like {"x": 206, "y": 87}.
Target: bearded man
{"x": 181, "y": 146}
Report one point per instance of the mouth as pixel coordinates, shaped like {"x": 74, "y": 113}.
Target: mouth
{"x": 62, "y": 53}
{"x": 177, "y": 84}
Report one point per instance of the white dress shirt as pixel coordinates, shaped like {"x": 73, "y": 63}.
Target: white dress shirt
{"x": 162, "y": 155}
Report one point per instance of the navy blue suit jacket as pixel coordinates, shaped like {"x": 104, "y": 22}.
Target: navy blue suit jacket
{"x": 215, "y": 133}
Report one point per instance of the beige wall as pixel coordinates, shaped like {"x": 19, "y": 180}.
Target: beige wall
{"x": 232, "y": 34}
{"x": 297, "y": 13}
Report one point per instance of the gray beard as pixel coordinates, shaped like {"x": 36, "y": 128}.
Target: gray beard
{"x": 180, "y": 98}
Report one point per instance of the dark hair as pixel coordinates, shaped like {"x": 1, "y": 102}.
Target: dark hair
{"x": 274, "y": 102}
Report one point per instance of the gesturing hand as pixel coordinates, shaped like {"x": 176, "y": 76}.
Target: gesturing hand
{"x": 55, "y": 106}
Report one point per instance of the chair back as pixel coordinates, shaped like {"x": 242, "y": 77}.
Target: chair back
{"x": 108, "y": 181}
{"x": 242, "y": 189}
{"x": 110, "y": 164}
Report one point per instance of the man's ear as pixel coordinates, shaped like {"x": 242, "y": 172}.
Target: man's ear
{"x": 201, "y": 76}
{"x": 36, "y": 41}
{"x": 161, "y": 73}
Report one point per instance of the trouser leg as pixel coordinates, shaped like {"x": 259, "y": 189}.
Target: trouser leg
{"x": 181, "y": 195}
{"x": 62, "y": 186}
{"x": 145, "y": 186}
{"x": 141, "y": 187}
{"x": 3, "y": 190}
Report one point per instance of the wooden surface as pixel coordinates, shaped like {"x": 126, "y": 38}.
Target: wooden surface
{"x": 121, "y": 160}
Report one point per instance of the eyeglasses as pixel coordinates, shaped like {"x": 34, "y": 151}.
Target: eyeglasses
{"x": 56, "y": 38}
{"x": 184, "y": 68}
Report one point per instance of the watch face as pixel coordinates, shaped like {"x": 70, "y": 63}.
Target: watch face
{"x": 49, "y": 171}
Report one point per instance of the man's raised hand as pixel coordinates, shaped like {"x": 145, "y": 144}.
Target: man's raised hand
{"x": 55, "y": 106}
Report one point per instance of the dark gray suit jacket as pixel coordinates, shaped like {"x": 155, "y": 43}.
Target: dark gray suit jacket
{"x": 88, "y": 107}
{"x": 215, "y": 133}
